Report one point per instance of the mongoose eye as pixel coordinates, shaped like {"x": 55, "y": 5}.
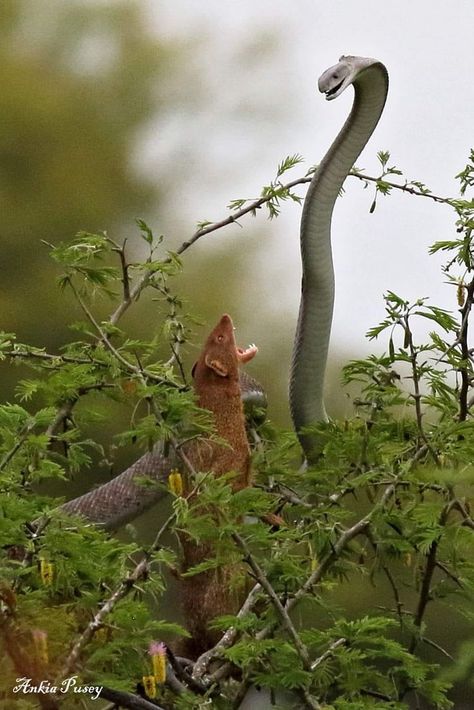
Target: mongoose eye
{"x": 220, "y": 338}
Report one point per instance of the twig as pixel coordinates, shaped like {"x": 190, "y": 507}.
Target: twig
{"x": 177, "y": 359}
{"x": 65, "y": 410}
{"x": 183, "y": 675}
{"x": 280, "y": 609}
{"x": 311, "y": 702}
{"x": 327, "y": 654}
{"x": 425, "y": 591}
{"x": 18, "y": 444}
{"x": 103, "y": 336}
{"x": 288, "y": 495}
{"x": 391, "y": 580}
{"x": 124, "y": 587}
{"x": 314, "y": 578}
{"x": 403, "y": 188}
{"x": 467, "y": 520}
{"x": 450, "y": 574}
{"x": 435, "y": 645}
{"x": 124, "y": 265}
{"x": 344, "y": 539}
{"x": 466, "y": 373}
{"x": 376, "y": 694}
{"x": 172, "y": 317}
{"x": 202, "y": 663}
{"x": 58, "y": 360}
{"x": 128, "y": 700}
{"x": 329, "y": 560}
{"x": 251, "y": 208}
{"x": 416, "y": 385}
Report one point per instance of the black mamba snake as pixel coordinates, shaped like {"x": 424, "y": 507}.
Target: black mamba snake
{"x": 123, "y": 498}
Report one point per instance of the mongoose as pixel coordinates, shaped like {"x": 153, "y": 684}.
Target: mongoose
{"x": 216, "y": 382}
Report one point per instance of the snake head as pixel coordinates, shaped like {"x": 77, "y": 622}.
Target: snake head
{"x": 337, "y": 78}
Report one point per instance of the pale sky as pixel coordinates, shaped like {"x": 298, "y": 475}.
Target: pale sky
{"x": 258, "y": 105}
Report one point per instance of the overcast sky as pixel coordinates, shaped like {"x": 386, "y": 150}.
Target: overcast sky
{"x": 258, "y": 61}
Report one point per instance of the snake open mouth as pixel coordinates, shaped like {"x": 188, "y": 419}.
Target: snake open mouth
{"x": 330, "y": 93}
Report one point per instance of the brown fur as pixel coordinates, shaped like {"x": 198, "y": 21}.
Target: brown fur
{"x": 216, "y": 381}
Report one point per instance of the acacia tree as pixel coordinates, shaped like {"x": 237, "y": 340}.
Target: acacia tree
{"x": 385, "y": 508}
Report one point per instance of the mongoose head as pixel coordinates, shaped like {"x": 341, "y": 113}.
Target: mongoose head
{"x": 221, "y": 357}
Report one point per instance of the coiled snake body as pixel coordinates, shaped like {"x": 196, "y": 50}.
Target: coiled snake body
{"x": 123, "y": 499}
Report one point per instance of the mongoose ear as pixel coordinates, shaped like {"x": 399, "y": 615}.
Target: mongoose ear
{"x": 216, "y": 365}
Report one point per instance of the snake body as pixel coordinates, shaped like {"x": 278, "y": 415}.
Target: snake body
{"x": 124, "y": 497}
{"x": 370, "y": 80}
{"x": 142, "y": 485}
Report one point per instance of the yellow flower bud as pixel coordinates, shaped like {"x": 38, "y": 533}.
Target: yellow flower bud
{"x": 175, "y": 482}
{"x": 149, "y": 685}
{"x": 157, "y": 652}
{"x": 460, "y": 294}
{"x": 46, "y": 572}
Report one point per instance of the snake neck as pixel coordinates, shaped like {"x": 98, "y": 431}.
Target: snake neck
{"x": 317, "y": 289}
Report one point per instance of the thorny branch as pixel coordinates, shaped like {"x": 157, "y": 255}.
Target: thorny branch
{"x": 327, "y": 654}
{"x": 252, "y": 207}
{"x": 135, "y": 370}
{"x": 466, "y": 369}
{"x": 314, "y": 579}
{"x": 202, "y": 663}
{"x": 262, "y": 579}
{"x": 425, "y": 590}
{"x": 124, "y": 265}
{"x": 389, "y": 576}
{"x": 467, "y": 519}
{"x": 23, "y": 436}
{"x": 416, "y": 395}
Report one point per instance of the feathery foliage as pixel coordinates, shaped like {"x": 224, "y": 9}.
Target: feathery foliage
{"x": 383, "y": 518}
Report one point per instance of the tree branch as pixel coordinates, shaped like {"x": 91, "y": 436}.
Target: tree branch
{"x": 465, "y": 369}
{"x": 122, "y": 590}
{"x": 425, "y": 591}
{"x": 202, "y": 663}
{"x": 262, "y": 579}
{"x": 251, "y": 208}
{"x": 122, "y": 699}
{"x": 327, "y": 654}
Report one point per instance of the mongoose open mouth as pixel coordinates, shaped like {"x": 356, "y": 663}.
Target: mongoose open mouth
{"x": 246, "y": 354}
